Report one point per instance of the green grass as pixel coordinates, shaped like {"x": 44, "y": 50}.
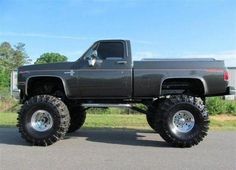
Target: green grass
{"x": 223, "y": 125}
{"x": 224, "y": 122}
{"x": 7, "y": 119}
{"x": 136, "y": 121}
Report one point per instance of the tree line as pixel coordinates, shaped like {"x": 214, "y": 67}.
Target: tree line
{"x": 12, "y": 57}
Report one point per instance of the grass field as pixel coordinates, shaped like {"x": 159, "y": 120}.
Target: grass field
{"x": 133, "y": 121}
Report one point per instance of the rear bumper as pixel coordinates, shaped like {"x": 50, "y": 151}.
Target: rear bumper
{"x": 230, "y": 90}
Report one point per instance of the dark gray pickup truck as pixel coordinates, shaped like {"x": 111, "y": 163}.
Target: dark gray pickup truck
{"x": 55, "y": 97}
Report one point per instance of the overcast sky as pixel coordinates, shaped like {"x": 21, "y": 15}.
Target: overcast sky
{"x": 156, "y": 28}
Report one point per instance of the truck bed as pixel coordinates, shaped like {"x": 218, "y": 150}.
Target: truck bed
{"x": 150, "y": 74}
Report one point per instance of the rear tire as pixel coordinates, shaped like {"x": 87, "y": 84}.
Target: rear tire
{"x": 43, "y": 120}
{"x": 184, "y": 121}
{"x": 78, "y": 116}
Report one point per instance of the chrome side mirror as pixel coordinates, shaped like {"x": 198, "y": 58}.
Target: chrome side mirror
{"x": 94, "y": 54}
{"x": 93, "y": 58}
{"x": 91, "y": 61}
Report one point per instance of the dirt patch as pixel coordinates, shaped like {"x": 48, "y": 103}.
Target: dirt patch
{"x": 223, "y": 117}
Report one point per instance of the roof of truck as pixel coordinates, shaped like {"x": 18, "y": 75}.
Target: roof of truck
{"x": 112, "y": 40}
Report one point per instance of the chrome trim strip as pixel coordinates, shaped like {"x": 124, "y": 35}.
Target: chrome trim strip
{"x": 94, "y": 69}
{"x": 136, "y": 69}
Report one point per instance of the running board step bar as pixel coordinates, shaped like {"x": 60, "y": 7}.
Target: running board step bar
{"x": 101, "y": 105}
{"x": 104, "y": 105}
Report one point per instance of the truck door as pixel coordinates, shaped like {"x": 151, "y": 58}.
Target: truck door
{"x": 106, "y": 71}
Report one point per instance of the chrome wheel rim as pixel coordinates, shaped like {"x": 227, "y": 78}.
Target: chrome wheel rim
{"x": 183, "y": 121}
{"x": 41, "y": 121}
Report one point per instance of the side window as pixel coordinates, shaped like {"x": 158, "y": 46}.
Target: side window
{"x": 111, "y": 50}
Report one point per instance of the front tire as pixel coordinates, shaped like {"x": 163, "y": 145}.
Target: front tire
{"x": 150, "y": 119}
{"x": 184, "y": 121}
{"x": 152, "y": 116}
{"x": 43, "y": 120}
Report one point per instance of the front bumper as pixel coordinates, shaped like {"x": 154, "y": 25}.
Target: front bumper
{"x": 230, "y": 90}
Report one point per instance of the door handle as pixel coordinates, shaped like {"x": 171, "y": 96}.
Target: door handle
{"x": 121, "y": 62}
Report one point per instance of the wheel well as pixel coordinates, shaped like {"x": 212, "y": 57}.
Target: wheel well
{"x": 45, "y": 85}
{"x": 182, "y": 86}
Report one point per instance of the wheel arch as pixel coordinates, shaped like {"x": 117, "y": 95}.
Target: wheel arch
{"x": 200, "y": 80}
{"x": 31, "y": 78}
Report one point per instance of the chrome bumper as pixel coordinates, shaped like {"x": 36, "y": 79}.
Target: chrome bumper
{"x": 230, "y": 90}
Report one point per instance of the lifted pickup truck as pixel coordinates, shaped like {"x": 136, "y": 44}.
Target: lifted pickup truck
{"x": 55, "y": 97}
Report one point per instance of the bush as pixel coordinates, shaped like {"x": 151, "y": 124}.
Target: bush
{"x": 7, "y": 103}
{"x": 216, "y": 105}
{"x": 231, "y": 108}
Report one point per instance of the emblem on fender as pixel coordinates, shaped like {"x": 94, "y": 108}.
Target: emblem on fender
{"x": 71, "y": 72}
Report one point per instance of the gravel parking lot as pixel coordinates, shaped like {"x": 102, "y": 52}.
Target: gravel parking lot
{"x": 116, "y": 149}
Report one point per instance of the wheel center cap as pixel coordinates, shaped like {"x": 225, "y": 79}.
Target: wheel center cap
{"x": 182, "y": 121}
{"x": 41, "y": 121}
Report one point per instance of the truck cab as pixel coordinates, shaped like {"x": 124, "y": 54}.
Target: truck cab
{"x": 105, "y": 70}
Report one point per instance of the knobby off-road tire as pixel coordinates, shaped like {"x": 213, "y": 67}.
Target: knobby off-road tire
{"x": 152, "y": 112}
{"x": 43, "y": 120}
{"x": 183, "y": 121}
{"x": 150, "y": 116}
{"x": 78, "y": 116}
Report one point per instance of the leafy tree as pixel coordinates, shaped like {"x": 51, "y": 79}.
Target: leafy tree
{"x": 20, "y": 56}
{"x": 10, "y": 59}
{"x": 4, "y": 77}
{"x": 50, "y": 58}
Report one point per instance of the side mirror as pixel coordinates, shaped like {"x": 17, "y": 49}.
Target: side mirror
{"x": 91, "y": 61}
{"x": 93, "y": 58}
{"x": 94, "y": 54}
